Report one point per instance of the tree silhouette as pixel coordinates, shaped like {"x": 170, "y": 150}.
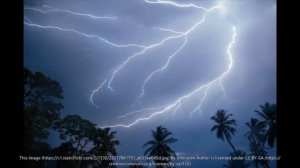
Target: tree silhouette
{"x": 224, "y": 126}
{"x": 65, "y": 149}
{"x": 237, "y": 163}
{"x": 260, "y": 132}
{"x": 269, "y": 114}
{"x": 159, "y": 146}
{"x": 104, "y": 145}
{"x": 82, "y": 138}
{"x": 79, "y": 133}
{"x": 75, "y": 130}
{"x": 258, "y": 151}
{"x": 42, "y": 106}
{"x": 257, "y": 131}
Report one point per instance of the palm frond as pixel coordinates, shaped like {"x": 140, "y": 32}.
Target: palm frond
{"x": 151, "y": 142}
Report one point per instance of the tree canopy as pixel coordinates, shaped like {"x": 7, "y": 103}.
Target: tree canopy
{"x": 42, "y": 96}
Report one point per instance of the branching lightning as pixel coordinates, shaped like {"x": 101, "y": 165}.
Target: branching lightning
{"x": 94, "y": 92}
{"x": 184, "y": 34}
{"x": 53, "y": 10}
{"x": 123, "y": 64}
{"x": 162, "y": 68}
{"x": 180, "y": 34}
{"x": 177, "y": 104}
{"x": 169, "y": 30}
{"x": 85, "y": 35}
{"x": 141, "y": 111}
{"x": 201, "y": 92}
{"x": 198, "y": 108}
{"x": 175, "y": 4}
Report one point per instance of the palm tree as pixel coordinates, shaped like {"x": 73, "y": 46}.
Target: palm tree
{"x": 269, "y": 114}
{"x": 159, "y": 145}
{"x": 258, "y": 151}
{"x": 104, "y": 145}
{"x": 224, "y": 126}
{"x": 237, "y": 163}
{"x": 257, "y": 137}
{"x": 257, "y": 132}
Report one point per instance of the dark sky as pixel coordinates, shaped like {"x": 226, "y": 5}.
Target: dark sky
{"x": 57, "y": 43}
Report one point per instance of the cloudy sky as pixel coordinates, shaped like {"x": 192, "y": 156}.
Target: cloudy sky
{"x": 136, "y": 65}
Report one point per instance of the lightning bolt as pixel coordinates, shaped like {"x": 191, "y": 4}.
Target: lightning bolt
{"x": 31, "y": 24}
{"x": 53, "y": 10}
{"x": 85, "y": 35}
{"x": 223, "y": 95}
{"x": 184, "y": 34}
{"x": 175, "y": 4}
{"x": 162, "y": 68}
{"x": 123, "y": 64}
{"x": 140, "y": 111}
{"x": 198, "y": 108}
{"x": 95, "y": 91}
{"x": 180, "y": 34}
{"x": 163, "y": 41}
{"x": 155, "y": 111}
{"x": 220, "y": 78}
{"x": 169, "y": 30}
{"x": 177, "y": 104}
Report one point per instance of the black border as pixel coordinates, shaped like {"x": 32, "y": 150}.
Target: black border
{"x": 12, "y": 78}
{"x": 12, "y": 82}
{"x": 286, "y": 102}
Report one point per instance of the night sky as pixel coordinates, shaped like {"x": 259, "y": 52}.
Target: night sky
{"x": 227, "y": 48}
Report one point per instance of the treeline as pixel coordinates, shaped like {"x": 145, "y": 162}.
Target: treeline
{"x": 261, "y": 135}
{"x": 80, "y": 137}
